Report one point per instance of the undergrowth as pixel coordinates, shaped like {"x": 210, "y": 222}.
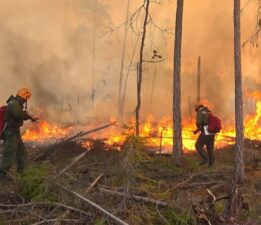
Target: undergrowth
{"x": 32, "y": 185}
{"x": 174, "y": 217}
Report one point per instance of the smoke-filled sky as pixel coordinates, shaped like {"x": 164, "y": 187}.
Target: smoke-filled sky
{"x": 47, "y": 45}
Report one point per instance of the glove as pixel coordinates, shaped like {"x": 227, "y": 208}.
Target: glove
{"x": 195, "y": 131}
{"x": 34, "y": 119}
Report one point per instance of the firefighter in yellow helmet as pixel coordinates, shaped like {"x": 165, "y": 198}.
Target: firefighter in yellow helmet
{"x": 15, "y": 115}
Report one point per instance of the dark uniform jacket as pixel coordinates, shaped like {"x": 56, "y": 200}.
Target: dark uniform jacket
{"x": 15, "y": 114}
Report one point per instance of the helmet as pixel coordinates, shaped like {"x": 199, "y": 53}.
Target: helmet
{"x": 198, "y": 106}
{"x": 24, "y": 93}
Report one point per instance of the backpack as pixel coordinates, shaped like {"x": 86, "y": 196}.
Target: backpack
{"x": 2, "y": 121}
{"x": 214, "y": 123}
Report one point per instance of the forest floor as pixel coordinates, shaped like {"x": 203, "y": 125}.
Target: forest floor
{"x": 133, "y": 185}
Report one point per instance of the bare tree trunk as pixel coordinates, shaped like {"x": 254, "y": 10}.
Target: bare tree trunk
{"x": 152, "y": 89}
{"x": 189, "y": 108}
{"x": 122, "y": 61}
{"x": 199, "y": 81}
{"x": 239, "y": 148}
{"x": 177, "y": 138}
{"x": 235, "y": 199}
{"x": 94, "y": 51}
{"x": 140, "y": 68}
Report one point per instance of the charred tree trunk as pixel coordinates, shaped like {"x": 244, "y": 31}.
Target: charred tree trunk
{"x": 140, "y": 68}
{"x": 235, "y": 200}
{"x": 177, "y": 138}
{"x": 122, "y": 61}
{"x": 199, "y": 81}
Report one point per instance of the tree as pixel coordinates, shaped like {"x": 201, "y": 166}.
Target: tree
{"x": 239, "y": 148}
{"x": 235, "y": 198}
{"x": 177, "y": 137}
{"x": 122, "y": 61}
{"x": 140, "y": 68}
{"x": 95, "y": 15}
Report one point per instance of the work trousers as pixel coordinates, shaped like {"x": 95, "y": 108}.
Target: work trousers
{"x": 14, "y": 150}
{"x": 208, "y": 141}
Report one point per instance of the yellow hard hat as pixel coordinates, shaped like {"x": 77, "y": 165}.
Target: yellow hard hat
{"x": 24, "y": 93}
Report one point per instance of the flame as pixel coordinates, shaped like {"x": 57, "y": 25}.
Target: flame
{"x": 157, "y": 133}
{"x": 43, "y": 131}
{"x": 253, "y": 124}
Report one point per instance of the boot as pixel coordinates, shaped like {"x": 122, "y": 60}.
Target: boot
{"x": 203, "y": 162}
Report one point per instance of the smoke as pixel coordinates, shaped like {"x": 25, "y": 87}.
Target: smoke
{"x": 48, "y": 46}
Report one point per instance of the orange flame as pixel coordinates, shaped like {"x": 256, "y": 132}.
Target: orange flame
{"x": 158, "y": 134}
{"x": 42, "y": 131}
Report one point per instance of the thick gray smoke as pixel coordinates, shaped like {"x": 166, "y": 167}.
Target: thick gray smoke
{"x": 48, "y": 46}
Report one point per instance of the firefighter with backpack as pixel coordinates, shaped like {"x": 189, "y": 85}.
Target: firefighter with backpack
{"x": 208, "y": 125}
{"x": 14, "y": 115}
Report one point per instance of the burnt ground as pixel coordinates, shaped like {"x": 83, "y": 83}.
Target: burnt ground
{"x": 135, "y": 185}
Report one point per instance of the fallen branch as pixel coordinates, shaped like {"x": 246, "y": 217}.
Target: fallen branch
{"x": 181, "y": 184}
{"x": 196, "y": 184}
{"x": 54, "y": 220}
{"x": 45, "y": 203}
{"x": 81, "y": 134}
{"x": 79, "y": 157}
{"x": 93, "y": 204}
{"x": 93, "y": 184}
{"x": 67, "y": 140}
{"x": 63, "y": 216}
{"x": 137, "y": 197}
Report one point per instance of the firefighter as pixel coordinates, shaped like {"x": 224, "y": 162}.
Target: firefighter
{"x": 205, "y": 138}
{"x": 15, "y": 115}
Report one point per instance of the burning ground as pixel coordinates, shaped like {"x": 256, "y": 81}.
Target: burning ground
{"x": 158, "y": 133}
{"x": 84, "y": 168}
{"x": 63, "y": 181}
{"x": 102, "y": 174}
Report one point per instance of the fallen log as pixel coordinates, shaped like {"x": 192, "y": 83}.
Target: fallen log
{"x": 82, "y": 134}
{"x": 93, "y": 204}
{"x": 67, "y": 140}
{"x": 137, "y": 197}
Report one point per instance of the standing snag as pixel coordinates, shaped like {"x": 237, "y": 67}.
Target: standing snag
{"x": 177, "y": 138}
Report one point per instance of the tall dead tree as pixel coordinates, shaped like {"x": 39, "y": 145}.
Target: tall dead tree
{"x": 153, "y": 86}
{"x": 235, "y": 200}
{"x": 123, "y": 59}
{"x": 177, "y": 137}
{"x": 239, "y": 148}
{"x": 94, "y": 50}
{"x": 140, "y": 67}
{"x": 199, "y": 81}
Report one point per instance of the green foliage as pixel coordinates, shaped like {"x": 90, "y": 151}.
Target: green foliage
{"x": 133, "y": 155}
{"x": 174, "y": 217}
{"x": 220, "y": 206}
{"x": 100, "y": 221}
{"x": 32, "y": 185}
{"x": 2, "y": 221}
{"x": 134, "y": 150}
